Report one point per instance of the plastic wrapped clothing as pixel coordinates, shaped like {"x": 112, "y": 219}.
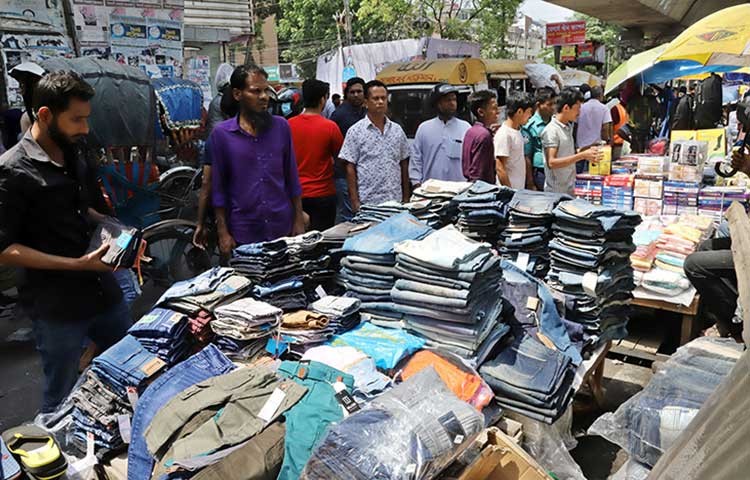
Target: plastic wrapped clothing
{"x": 411, "y": 432}
{"x": 650, "y": 421}
{"x": 386, "y": 346}
{"x": 124, "y": 100}
{"x": 714, "y": 445}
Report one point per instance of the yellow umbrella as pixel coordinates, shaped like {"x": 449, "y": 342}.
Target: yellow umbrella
{"x": 722, "y": 38}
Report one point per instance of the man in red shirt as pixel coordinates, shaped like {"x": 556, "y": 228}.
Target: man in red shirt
{"x": 317, "y": 141}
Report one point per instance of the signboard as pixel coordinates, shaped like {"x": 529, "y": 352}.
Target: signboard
{"x": 586, "y": 53}
{"x": 273, "y": 73}
{"x": 566, "y": 33}
{"x": 567, "y": 53}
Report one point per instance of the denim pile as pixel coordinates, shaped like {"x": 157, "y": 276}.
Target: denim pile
{"x": 164, "y": 333}
{"x": 205, "y": 292}
{"x": 342, "y": 312}
{"x": 483, "y": 211}
{"x": 367, "y": 270}
{"x": 103, "y": 395}
{"x": 246, "y": 319}
{"x": 270, "y": 262}
{"x": 125, "y": 243}
{"x": 288, "y": 294}
{"x": 447, "y": 291}
{"x": 441, "y": 193}
{"x": 591, "y": 272}
{"x": 244, "y": 350}
{"x": 422, "y": 210}
{"x": 530, "y": 378}
{"x": 525, "y": 240}
{"x": 304, "y": 328}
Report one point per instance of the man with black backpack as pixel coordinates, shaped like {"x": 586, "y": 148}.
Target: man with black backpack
{"x": 708, "y": 102}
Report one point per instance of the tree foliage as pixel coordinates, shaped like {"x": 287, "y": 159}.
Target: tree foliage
{"x": 308, "y": 28}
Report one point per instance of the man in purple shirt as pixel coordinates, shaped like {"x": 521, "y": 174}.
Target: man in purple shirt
{"x": 256, "y": 192}
{"x": 478, "y": 155}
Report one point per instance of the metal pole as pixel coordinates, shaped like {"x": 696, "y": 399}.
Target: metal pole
{"x": 348, "y": 23}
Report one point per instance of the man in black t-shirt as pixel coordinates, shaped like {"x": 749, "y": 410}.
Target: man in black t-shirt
{"x": 47, "y": 217}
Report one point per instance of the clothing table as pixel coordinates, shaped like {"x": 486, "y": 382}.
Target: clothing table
{"x": 689, "y": 314}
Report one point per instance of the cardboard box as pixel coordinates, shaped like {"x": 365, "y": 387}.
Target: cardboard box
{"x": 603, "y": 166}
{"x": 502, "y": 459}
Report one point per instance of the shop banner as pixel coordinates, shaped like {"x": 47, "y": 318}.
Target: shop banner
{"x": 585, "y": 53}
{"x": 566, "y": 33}
{"x": 273, "y": 73}
{"x": 567, "y": 53}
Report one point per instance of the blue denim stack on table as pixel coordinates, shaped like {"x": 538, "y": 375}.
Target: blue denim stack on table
{"x": 104, "y": 393}
{"x": 302, "y": 256}
{"x": 441, "y": 193}
{"x": 164, "y": 333}
{"x": 483, "y": 211}
{"x": 244, "y": 350}
{"x": 530, "y": 378}
{"x": 447, "y": 291}
{"x": 530, "y": 229}
{"x": 205, "y": 292}
{"x": 422, "y": 210}
{"x": 288, "y": 294}
{"x": 342, "y": 312}
{"x": 591, "y": 273}
{"x": 367, "y": 270}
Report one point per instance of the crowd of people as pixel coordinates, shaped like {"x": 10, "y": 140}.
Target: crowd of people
{"x": 264, "y": 178}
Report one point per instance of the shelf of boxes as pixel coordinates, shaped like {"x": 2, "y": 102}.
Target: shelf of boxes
{"x": 680, "y": 197}
{"x": 618, "y": 192}
{"x": 590, "y": 188}
{"x": 648, "y": 191}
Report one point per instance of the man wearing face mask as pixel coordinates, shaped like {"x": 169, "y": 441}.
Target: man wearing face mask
{"x": 46, "y": 223}
{"x": 438, "y": 143}
{"x": 256, "y": 191}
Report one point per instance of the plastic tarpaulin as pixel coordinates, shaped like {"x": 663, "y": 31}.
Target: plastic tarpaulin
{"x": 715, "y": 443}
{"x": 123, "y": 104}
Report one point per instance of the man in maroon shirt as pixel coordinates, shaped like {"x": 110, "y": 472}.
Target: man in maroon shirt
{"x": 478, "y": 155}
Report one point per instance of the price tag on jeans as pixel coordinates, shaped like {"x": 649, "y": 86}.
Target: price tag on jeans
{"x": 590, "y": 279}
{"x": 272, "y": 405}
{"x": 345, "y": 399}
{"x": 132, "y": 396}
{"x": 123, "y": 424}
{"x": 516, "y": 236}
{"x": 321, "y": 291}
{"x": 522, "y": 261}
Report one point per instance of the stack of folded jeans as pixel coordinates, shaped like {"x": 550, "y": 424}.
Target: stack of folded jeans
{"x": 200, "y": 329}
{"x": 342, "y": 312}
{"x": 531, "y": 378}
{"x": 367, "y": 269}
{"x": 304, "y": 328}
{"x": 483, "y": 211}
{"x": 422, "y": 210}
{"x": 205, "y": 292}
{"x": 104, "y": 393}
{"x": 441, "y": 193}
{"x": 413, "y": 430}
{"x": 535, "y": 312}
{"x": 245, "y": 350}
{"x": 288, "y": 294}
{"x": 591, "y": 272}
{"x": 525, "y": 240}
{"x": 448, "y": 291}
{"x": 277, "y": 260}
{"x": 95, "y": 409}
{"x": 164, "y": 333}
{"x": 246, "y": 319}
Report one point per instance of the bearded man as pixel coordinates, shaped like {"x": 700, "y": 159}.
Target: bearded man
{"x": 256, "y": 191}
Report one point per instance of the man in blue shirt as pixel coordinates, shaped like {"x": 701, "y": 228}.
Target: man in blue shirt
{"x": 532, "y": 132}
{"x": 436, "y": 151}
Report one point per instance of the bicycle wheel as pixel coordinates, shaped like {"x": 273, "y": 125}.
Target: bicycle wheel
{"x": 173, "y": 255}
{"x": 177, "y": 195}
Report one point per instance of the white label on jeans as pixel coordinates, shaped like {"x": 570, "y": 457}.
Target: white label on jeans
{"x": 410, "y": 469}
{"x": 522, "y": 261}
{"x": 589, "y": 282}
{"x": 123, "y": 424}
{"x": 272, "y": 404}
{"x": 321, "y": 291}
{"x": 90, "y": 443}
{"x": 132, "y": 396}
{"x": 516, "y": 236}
